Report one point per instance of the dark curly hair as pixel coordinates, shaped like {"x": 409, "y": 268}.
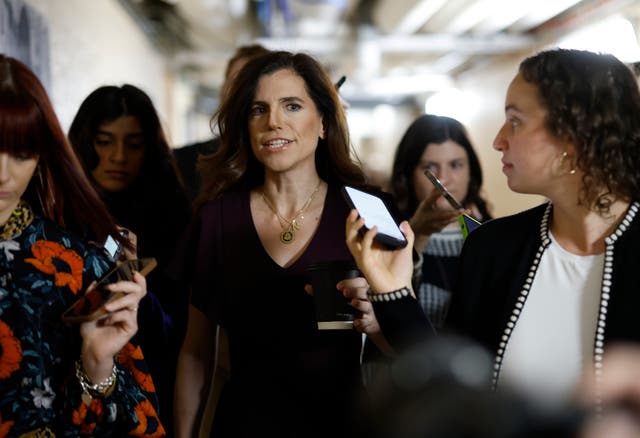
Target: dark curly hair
{"x": 424, "y": 130}
{"x": 592, "y": 101}
{"x": 234, "y": 166}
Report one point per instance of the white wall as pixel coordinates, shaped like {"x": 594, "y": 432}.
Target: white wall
{"x": 482, "y": 97}
{"x": 96, "y": 43}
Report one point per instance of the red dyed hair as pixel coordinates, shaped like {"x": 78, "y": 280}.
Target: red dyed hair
{"x": 59, "y": 190}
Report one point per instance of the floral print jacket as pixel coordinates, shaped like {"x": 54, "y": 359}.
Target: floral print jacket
{"x": 43, "y": 270}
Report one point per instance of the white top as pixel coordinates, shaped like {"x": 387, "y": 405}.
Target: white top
{"x": 552, "y": 340}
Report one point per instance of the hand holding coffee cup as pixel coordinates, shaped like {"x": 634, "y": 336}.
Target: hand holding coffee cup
{"x": 333, "y": 311}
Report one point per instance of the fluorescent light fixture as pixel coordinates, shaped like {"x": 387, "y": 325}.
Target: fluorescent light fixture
{"x": 238, "y": 8}
{"x": 404, "y": 85}
{"x": 614, "y": 35}
{"x": 453, "y": 103}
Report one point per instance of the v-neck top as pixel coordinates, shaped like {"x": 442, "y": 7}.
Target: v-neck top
{"x": 286, "y": 375}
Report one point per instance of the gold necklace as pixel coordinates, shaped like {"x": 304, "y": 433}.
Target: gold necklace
{"x": 289, "y": 226}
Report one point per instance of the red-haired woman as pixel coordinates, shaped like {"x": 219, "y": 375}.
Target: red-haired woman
{"x": 58, "y": 379}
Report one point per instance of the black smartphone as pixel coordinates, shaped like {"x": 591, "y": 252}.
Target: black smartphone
{"x": 375, "y": 213}
{"x": 91, "y": 305}
{"x": 443, "y": 190}
{"x": 467, "y": 224}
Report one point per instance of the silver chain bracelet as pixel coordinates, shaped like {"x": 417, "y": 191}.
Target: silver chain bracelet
{"x": 94, "y": 389}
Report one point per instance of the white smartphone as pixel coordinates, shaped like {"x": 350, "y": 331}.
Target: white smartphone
{"x": 375, "y": 213}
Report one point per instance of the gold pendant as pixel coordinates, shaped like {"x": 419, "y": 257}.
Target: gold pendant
{"x": 288, "y": 235}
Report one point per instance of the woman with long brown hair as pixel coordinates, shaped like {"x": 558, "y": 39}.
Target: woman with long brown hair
{"x": 271, "y": 208}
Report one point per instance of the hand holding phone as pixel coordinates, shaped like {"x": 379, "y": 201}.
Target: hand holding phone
{"x": 90, "y": 306}
{"x": 443, "y": 190}
{"x": 467, "y": 222}
{"x": 375, "y": 213}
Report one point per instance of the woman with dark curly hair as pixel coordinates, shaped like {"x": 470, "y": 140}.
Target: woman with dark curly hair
{"x": 119, "y": 138}
{"x": 549, "y": 289}
{"x": 440, "y": 144}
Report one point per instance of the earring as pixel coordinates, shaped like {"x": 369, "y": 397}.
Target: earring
{"x": 565, "y": 155}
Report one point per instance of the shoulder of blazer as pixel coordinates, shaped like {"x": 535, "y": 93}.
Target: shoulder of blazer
{"x": 516, "y": 227}
{"x": 505, "y": 243}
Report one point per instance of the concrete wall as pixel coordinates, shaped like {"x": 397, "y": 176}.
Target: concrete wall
{"x": 94, "y": 43}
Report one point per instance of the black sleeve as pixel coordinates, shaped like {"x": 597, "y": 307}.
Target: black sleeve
{"x": 403, "y": 322}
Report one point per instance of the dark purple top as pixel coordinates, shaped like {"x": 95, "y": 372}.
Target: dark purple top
{"x": 287, "y": 377}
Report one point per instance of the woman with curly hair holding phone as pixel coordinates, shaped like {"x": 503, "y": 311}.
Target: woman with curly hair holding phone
{"x": 550, "y": 290}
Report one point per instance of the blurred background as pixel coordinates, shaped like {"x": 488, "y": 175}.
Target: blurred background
{"x": 401, "y": 57}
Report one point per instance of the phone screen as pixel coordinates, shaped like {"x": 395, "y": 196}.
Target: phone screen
{"x": 112, "y": 247}
{"x": 467, "y": 224}
{"x": 91, "y": 305}
{"x": 375, "y": 213}
{"x": 443, "y": 190}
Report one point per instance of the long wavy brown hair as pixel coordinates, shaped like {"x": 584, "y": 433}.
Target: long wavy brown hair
{"x": 59, "y": 189}
{"x": 234, "y": 167}
{"x": 593, "y": 101}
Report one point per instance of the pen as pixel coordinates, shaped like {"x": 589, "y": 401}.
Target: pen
{"x": 340, "y": 82}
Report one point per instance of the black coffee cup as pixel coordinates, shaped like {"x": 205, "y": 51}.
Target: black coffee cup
{"x": 333, "y": 311}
